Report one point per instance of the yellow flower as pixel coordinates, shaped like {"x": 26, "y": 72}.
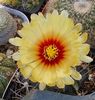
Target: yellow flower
{"x": 50, "y": 48}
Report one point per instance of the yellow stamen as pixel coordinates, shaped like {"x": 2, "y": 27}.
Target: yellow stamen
{"x": 50, "y": 52}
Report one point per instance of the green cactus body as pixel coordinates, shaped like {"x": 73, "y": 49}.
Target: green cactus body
{"x": 11, "y": 2}
{"x": 5, "y": 75}
{"x": 27, "y": 6}
{"x": 82, "y": 12}
{"x": 8, "y": 62}
{"x": 8, "y": 26}
{"x": 7, "y": 68}
{"x": 19, "y": 2}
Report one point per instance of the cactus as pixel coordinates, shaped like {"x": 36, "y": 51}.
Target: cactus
{"x": 18, "y": 2}
{"x": 8, "y": 62}
{"x": 28, "y": 6}
{"x": 7, "y": 68}
{"x": 5, "y": 75}
{"x": 82, "y": 11}
{"x": 8, "y": 26}
{"x": 10, "y": 2}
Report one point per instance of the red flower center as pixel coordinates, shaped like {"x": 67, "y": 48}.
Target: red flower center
{"x": 51, "y": 51}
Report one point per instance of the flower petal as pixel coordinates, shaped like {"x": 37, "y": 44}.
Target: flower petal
{"x": 83, "y": 37}
{"x": 77, "y": 28}
{"x": 48, "y": 77}
{"x": 76, "y": 75}
{"x": 60, "y": 83}
{"x": 84, "y": 49}
{"x": 43, "y": 75}
{"x": 86, "y": 59}
{"x": 16, "y": 56}
{"x": 68, "y": 80}
{"x": 16, "y": 41}
{"x": 42, "y": 86}
{"x": 25, "y": 70}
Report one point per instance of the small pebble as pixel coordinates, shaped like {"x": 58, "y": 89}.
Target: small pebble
{"x": 9, "y": 53}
